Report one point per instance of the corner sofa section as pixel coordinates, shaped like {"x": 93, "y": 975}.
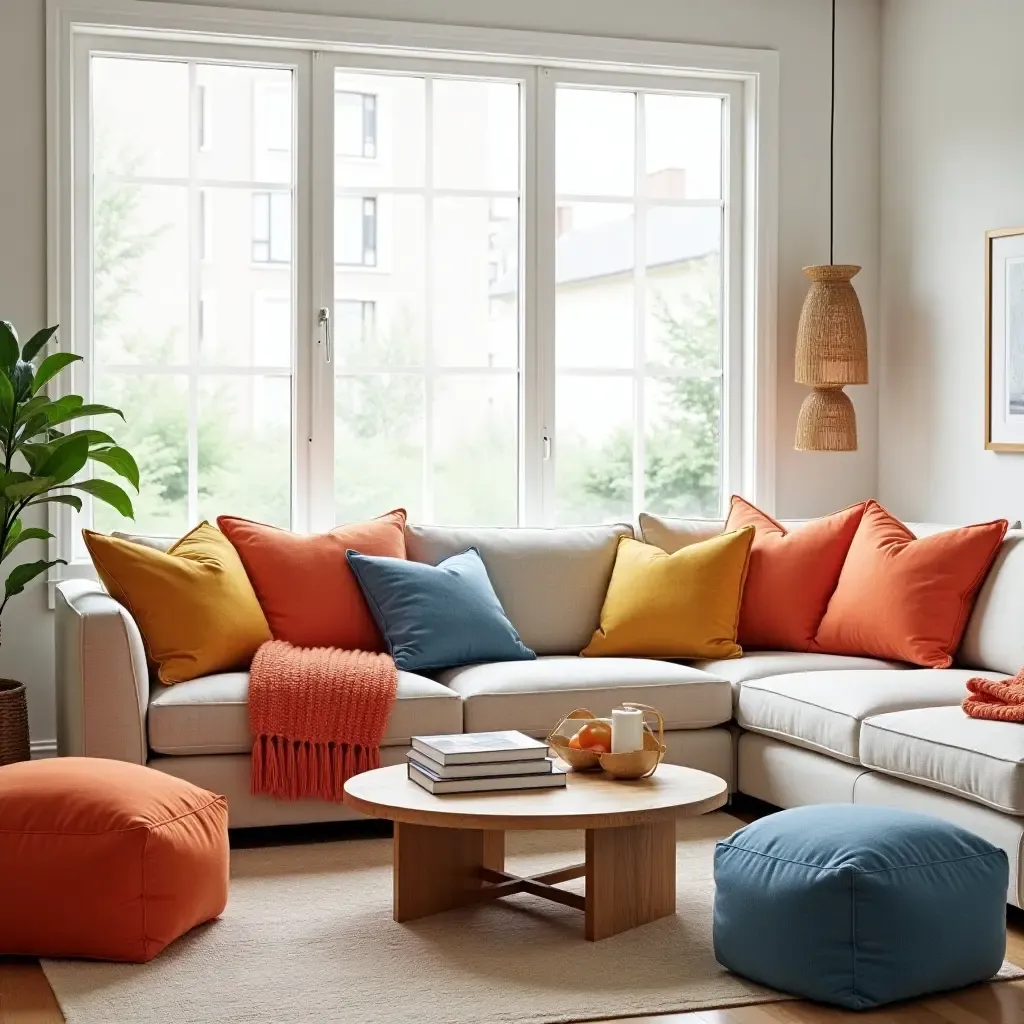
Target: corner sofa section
{"x": 785, "y": 727}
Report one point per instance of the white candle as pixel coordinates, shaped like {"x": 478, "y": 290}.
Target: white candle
{"x": 627, "y": 730}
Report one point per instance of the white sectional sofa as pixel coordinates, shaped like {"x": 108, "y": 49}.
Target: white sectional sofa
{"x": 788, "y": 728}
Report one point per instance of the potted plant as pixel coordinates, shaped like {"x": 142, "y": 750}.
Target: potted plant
{"x": 43, "y": 455}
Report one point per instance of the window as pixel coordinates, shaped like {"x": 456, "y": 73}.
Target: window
{"x": 355, "y": 124}
{"x": 208, "y": 410}
{"x": 271, "y": 227}
{"x": 355, "y": 231}
{"x": 541, "y": 281}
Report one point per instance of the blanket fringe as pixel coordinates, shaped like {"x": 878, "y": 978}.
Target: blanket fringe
{"x": 301, "y": 770}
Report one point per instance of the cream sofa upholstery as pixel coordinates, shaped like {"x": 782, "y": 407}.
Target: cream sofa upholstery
{"x": 785, "y": 727}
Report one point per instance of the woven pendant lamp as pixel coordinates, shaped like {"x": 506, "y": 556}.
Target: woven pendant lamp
{"x": 831, "y": 339}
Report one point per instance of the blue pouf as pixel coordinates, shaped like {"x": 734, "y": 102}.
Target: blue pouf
{"x": 859, "y": 906}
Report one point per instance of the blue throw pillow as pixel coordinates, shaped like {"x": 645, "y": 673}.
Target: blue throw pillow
{"x": 437, "y": 616}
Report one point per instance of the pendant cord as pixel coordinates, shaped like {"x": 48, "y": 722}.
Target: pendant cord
{"x": 832, "y": 149}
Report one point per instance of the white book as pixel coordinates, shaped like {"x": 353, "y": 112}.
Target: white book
{"x": 535, "y": 766}
{"x": 432, "y": 783}
{"x": 479, "y": 747}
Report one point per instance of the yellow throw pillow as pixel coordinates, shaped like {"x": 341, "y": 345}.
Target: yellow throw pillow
{"x": 194, "y": 605}
{"x": 683, "y": 605}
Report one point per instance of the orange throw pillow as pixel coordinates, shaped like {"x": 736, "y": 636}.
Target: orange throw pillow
{"x": 792, "y": 575}
{"x": 105, "y": 859}
{"x": 304, "y": 584}
{"x": 907, "y": 598}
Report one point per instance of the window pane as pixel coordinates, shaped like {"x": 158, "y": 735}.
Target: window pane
{"x": 244, "y": 435}
{"x": 475, "y": 476}
{"x": 155, "y": 431}
{"x": 594, "y": 294}
{"x": 140, "y": 299}
{"x": 140, "y": 116}
{"x": 383, "y": 143}
{"x": 248, "y": 112}
{"x": 476, "y": 134}
{"x": 683, "y": 146}
{"x": 355, "y": 230}
{"x": 595, "y": 142}
{"x": 593, "y": 449}
{"x": 682, "y": 446}
{"x": 349, "y": 131}
{"x": 397, "y": 287}
{"x": 475, "y": 279}
{"x": 683, "y": 291}
{"x": 378, "y": 446}
{"x": 250, "y": 278}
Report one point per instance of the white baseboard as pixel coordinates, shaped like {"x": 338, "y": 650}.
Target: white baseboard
{"x": 43, "y": 748}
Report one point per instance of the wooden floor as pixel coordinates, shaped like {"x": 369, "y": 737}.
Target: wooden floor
{"x": 26, "y": 997}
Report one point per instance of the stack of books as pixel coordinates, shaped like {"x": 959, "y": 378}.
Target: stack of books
{"x": 481, "y": 762}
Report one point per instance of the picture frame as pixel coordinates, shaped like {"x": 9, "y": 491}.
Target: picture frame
{"x": 1004, "y": 340}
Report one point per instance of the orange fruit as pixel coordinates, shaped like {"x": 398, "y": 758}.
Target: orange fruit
{"x": 595, "y": 736}
{"x": 575, "y": 742}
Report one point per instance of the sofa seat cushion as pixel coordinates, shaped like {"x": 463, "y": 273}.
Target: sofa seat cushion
{"x": 533, "y": 695}
{"x": 823, "y": 711}
{"x": 759, "y": 664}
{"x": 945, "y": 749}
{"x": 211, "y": 715}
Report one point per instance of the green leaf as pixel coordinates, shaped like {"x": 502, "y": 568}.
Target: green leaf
{"x": 32, "y": 533}
{"x": 9, "y": 347}
{"x": 23, "y": 574}
{"x": 59, "y": 499}
{"x": 30, "y": 488}
{"x": 108, "y": 492}
{"x": 12, "y": 535}
{"x": 120, "y": 461}
{"x": 66, "y": 459}
{"x": 81, "y": 410}
{"x": 6, "y": 396}
{"x": 50, "y": 367}
{"x": 32, "y": 407}
{"x": 37, "y": 342}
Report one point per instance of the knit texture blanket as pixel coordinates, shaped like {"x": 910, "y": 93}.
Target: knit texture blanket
{"x": 1002, "y": 701}
{"x": 318, "y": 715}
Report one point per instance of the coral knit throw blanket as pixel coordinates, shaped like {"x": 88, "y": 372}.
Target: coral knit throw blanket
{"x": 318, "y": 715}
{"x": 1002, "y": 701}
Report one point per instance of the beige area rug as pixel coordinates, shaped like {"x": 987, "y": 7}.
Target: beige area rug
{"x": 308, "y": 936}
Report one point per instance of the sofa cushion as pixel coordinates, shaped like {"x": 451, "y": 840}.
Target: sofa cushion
{"x": 993, "y": 639}
{"x": 759, "y": 664}
{"x": 533, "y": 695}
{"x": 823, "y": 711}
{"x": 211, "y": 715}
{"x": 945, "y": 749}
{"x": 551, "y": 583}
{"x": 193, "y": 603}
{"x": 900, "y": 596}
{"x": 684, "y": 605}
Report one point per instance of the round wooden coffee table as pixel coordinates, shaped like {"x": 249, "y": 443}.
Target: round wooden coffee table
{"x": 450, "y": 850}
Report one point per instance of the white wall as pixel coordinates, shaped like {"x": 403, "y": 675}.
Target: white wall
{"x": 807, "y": 484}
{"x": 952, "y": 168}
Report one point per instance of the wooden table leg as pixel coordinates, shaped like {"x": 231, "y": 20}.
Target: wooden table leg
{"x": 631, "y": 877}
{"x": 436, "y": 869}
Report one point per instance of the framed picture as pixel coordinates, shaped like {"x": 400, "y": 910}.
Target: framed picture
{"x": 1004, "y": 340}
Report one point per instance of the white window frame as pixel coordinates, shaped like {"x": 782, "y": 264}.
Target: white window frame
{"x": 749, "y": 76}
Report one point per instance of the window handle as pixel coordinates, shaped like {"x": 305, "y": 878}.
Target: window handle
{"x": 547, "y": 447}
{"x": 324, "y": 320}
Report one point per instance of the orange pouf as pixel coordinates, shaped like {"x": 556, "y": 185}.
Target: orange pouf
{"x": 106, "y": 860}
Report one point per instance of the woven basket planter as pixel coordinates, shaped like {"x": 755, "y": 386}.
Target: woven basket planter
{"x": 13, "y": 722}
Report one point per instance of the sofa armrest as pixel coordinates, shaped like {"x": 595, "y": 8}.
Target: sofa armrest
{"x": 102, "y": 676}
